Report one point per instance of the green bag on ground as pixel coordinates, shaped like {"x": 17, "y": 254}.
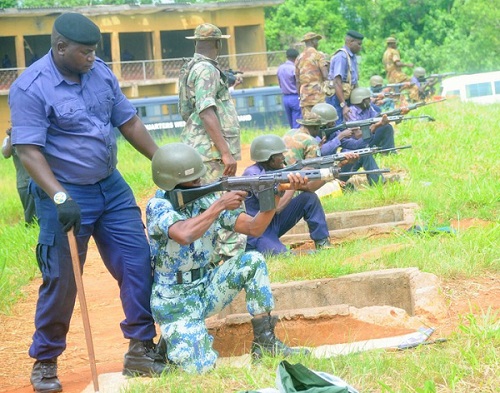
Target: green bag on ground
{"x": 291, "y": 378}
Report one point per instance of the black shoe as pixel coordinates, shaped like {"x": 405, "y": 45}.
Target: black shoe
{"x": 322, "y": 243}
{"x": 265, "y": 341}
{"x": 44, "y": 377}
{"x": 348, "y": 187}
{"x": 143, "y": 359}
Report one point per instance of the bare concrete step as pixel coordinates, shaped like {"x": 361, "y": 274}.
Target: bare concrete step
{"x": 358, "y": 223}
{"x": 408, "y": 289}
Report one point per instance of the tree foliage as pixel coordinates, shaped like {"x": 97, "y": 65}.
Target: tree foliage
{"x": 440, "y": 35}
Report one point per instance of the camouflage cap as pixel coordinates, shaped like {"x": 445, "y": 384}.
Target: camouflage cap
{"x": 206, "y": 32}
{"x": 311, "y": 119}
{"x": 390, "y": 40}
{"x": 311, "y": 36}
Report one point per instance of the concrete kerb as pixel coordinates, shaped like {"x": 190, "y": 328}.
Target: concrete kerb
{"x": 355, "y": 224}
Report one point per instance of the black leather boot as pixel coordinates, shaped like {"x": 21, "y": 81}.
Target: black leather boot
{"x": 44, "y": 377}
{"x": 143, "y": 359}
{"x": 265, "y": 341}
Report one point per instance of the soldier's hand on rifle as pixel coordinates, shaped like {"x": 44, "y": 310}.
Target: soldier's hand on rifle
{"x": 350, "y": 158}
{"x": 233, "y": 199}
{"x": 347, "y": 133}
{"x": 230, "y": 165}
{"x": 357, "y": 133}
{"x": 297, "y": 182}
{"x": 404, "y": 110}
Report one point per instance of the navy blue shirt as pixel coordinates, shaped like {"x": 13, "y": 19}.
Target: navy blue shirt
{"x": 72, "y": 122}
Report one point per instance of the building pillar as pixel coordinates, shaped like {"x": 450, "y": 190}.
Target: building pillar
{"x": 157, "y": 55}
{"x": 20, "y": 58}
{"x": 115, "y": 54}
{"x": 231, "y": 48}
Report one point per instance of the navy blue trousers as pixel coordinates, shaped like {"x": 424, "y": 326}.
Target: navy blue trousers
{"x": 293, "y": 112}
{"x": 305, "y": 205}
{"x": 111, "y": 216}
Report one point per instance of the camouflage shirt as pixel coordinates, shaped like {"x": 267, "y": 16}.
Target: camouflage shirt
{"x": 169, "y": 256}
{"x": 206, "y": 86}
{"x": 394, "y": 73}
{"x": 308, "y": 73}
{"x": 300, "y": 145}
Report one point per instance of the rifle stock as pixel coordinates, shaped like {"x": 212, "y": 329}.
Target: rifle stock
{"x": 263, "y": 186}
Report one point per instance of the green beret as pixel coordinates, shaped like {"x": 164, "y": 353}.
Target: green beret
{"x": 355, "y": 34}
{"x": 77, "y": 28}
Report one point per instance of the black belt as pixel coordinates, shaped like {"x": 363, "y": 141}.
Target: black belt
{"x": 190, "y": 276}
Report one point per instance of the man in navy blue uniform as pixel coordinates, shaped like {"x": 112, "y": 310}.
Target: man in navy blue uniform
{"x": 64, "y": 109}
{"x": 288, "y": 86}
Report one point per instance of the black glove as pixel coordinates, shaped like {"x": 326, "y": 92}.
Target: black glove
{"x": 69, "y": 215}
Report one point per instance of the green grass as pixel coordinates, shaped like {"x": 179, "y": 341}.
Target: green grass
{"x": 452, "y": 173}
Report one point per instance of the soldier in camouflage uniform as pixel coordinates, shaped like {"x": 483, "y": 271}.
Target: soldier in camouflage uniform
{"x": 187, "y": 288}
{"x": 310, "y": 72}
{"x": 393, "y": 64}
{"x": 212, "y": 126}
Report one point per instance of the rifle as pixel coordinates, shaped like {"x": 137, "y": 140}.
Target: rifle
{"x": 326, "y": 161}
{"x": 399, "y": 86}
{"x": 440, "y": 77}
{"x": 263, "y": 186}
{"x": 397, "y": 112}
{"x": 365, "y": 124}
{"x": 232, "y": 76}
{"x": 385, "y": 95}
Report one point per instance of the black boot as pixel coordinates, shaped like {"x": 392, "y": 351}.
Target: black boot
{"x": 44, "y": 377}
{"x": 265, "y": 341}
{"x": 143, "y": 359}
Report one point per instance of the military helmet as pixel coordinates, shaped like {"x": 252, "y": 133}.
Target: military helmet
{"x": 176, "y": 163}
{"x": 419, "y": 72}
{"x": 376, "y": 80}
{"x": 264, "y": 146}
{"x": 359, "y": 94}
{"x": 326, "y": 111}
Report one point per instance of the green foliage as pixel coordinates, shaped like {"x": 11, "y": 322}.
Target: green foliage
{"x": 439, "y": 35}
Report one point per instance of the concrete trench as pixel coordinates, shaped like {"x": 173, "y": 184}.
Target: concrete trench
{"x": 351, "y": 308}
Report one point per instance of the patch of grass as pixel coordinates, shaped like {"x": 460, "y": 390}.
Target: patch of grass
{"x": 452, "y": 173}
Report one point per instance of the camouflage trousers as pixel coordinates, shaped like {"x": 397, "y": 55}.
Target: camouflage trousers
{"x": 181, "y": 309}
{"x": 229, "y": 243}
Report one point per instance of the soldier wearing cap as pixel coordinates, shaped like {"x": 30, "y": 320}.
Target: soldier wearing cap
{"x": 64, "y": 109}
{"x": 310, "y": 72}
{"x": 212, "y": 125}
{"x": 343, "y": 74}
{"x": 393, "y": 64}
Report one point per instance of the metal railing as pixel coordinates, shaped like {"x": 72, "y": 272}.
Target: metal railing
{"x": 151, "y": 70}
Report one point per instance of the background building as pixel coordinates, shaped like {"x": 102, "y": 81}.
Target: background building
{"x": 145, "y": 45}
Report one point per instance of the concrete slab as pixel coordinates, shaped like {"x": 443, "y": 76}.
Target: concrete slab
{"x": 359, "y": 223}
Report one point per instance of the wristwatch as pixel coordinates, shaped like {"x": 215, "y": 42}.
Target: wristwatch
{"x": 60, "y": 197}
{"x": 342, "y": 104}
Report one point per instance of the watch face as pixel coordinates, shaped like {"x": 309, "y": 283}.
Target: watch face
{"x": 60, "y": 197}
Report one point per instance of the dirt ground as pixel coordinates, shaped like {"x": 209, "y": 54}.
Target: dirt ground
{"x": 105, "y": 312}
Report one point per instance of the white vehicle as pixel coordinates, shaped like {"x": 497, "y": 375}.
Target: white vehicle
{"x": 481, "y": 88}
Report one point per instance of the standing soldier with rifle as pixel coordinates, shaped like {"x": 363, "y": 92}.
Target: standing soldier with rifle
{"x": 212, "y": 125}
{"x": 343, "y": 75}
{"x": 310, "y": 73}
{"x": 187, "y": 287}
